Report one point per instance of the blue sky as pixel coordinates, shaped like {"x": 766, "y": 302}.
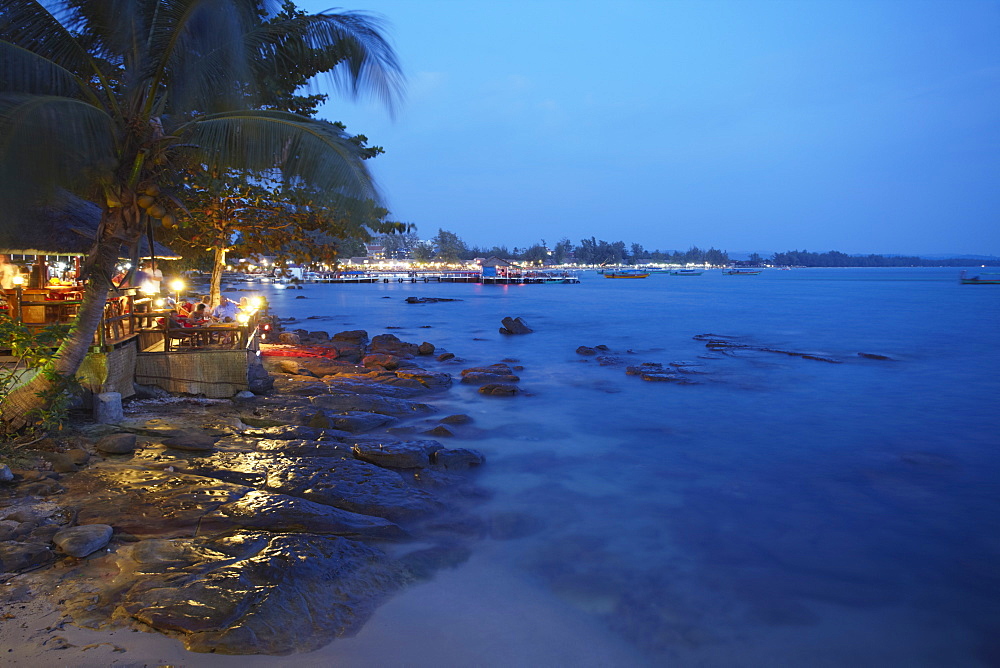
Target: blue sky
{"x": 861, "y": 126}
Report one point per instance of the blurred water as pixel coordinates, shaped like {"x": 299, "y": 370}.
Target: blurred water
{"x": 782, "y": 511}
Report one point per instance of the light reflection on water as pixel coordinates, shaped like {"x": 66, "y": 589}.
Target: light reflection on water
{"x": 783, "y": 511}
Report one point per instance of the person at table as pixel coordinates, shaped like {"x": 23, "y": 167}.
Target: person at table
{"x": 8, "y": 271}
{"x": 226, "y": 311}
{"x": 200, "y": 315}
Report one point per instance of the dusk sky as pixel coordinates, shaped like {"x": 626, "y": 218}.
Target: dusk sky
{"x": 860, "y": 126}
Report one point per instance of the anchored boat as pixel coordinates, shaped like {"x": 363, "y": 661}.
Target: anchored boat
{"x": 979, "y": 279}
{"x": 626, "y": 273}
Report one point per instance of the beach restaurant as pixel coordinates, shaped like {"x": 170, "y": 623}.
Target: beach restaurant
{"x": 134, "y": 341}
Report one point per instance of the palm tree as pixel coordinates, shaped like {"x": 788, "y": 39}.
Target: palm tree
{"x": 110, "y": 98}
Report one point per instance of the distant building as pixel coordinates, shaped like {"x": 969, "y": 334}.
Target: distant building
{"x": 375, "y": 251}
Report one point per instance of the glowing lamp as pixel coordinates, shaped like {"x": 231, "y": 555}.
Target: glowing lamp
{"x": 18, "y": 280}
{"x": 242, "y": 318}
{"x": 177, "y": 286}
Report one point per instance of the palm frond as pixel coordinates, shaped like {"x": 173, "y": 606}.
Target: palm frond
{"x": 315, "y": 152}
{"x": 23, "y": 71}
{"x": 32, "y": 26}
{"x": 48, "y": 142}
{"x": 349, "y": 47}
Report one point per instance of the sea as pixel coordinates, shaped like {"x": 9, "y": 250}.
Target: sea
{"x": 824, "y": 491}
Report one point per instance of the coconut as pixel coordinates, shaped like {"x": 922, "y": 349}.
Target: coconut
{"x": 145, "y": 201}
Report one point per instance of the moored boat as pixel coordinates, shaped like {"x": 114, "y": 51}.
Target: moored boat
{"x": 979, "y": 279}
{"x": 626, "y": 273}
{"x": 686, "y": 272}
{"x": 737, "y": 271}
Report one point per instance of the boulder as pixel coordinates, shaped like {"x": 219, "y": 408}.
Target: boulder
{"x": 460, "y": 418}
{"x": 108, "y": 408}
{"x": 444, "y": 357}
{"x": 432, "y": 381}
{"x": 358, "y": 337}
{"x": 79, "y": 541}
{"x": 441, "y": 431}
{"x": 389, "y": 362}
{"x": 457, "y": 459}
{"x": 499, "y": 390}
{"x": 391, "y": 344}
{"x": 193, "y": 440}
{"x": 117, "y": 444}
{"x": 6, "y": 475}
{"x": 514, "y": 326}
{"x": 289, "y": 338}
{"x": 426, "y": 348}
{"x": 585, "y": 350}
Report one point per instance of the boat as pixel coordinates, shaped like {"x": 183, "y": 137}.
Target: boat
{"x": 686, "y": 272}
{"x": 737, "y": 271}
{"x": 626, "y": 273}
{"x": 979, "y": 279}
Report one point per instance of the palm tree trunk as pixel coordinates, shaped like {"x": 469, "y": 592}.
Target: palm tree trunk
{"x": 27, "y": 399}
{"x": 215, "y": 283}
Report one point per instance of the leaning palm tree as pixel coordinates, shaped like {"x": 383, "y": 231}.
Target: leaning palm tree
{"x": 111, "y": 98}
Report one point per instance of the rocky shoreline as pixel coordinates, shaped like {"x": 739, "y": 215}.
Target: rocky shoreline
{"x": 267, "y": 524}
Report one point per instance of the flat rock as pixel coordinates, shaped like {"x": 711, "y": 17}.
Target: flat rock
{"x": 160, "y": 504}
{"x": 16, "y": 557}
{"x": 348, "y": 484}
{"x": 433, "y": 381}
{"x": 82, "y": 540}
{"x": 357, "y": 421}
{"x": 189, "y": 439}
{"x": 397, "y": 454}
{"x": 372, "y": 403}
{"x": 479, "y": 378}
{"x": 255, "y": 593}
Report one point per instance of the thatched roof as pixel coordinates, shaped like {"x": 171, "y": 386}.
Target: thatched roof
{"x": 67, "y": 226}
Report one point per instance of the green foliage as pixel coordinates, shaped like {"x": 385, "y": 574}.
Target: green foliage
{"x": 31, "y": 352}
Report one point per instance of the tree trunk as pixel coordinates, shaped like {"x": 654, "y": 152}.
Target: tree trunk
{"x": 215, "y": 284}
{"x": 19, "y": 405}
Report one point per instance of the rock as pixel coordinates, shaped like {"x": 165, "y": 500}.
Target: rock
{"x": 422, "y": 564}
{"x": 460, "y": 418}
{"x": 300, "y": 296}
{"x": 874, "y": 356}
{"x": 349, "y": 484}
{"x": 357, "y": 421}
{"x": 389, "y": 362}
{"x": 6, "y": 475}
{"x": 190, "y": 439}
{"x": 478, "y": 378}
{"x": 162, "y": 504}
{"x": 293, "y": 367}
{"x": 79, "y": 541}
{"x": 390, "y": 343}
{"x": 319, "y": 336}
{"x": 16, "y": 557}
{"x": 244, "y": 395}
{"x": 457, "y": 459}
{"x": 429, "y": 300}
{"x": 149, "y": 391}
{"x": 108, "y": 408}
{"x": 584, "y": 350}
{"x": 666, "y": 377}
{"x": 28, "y": 510}
{"x": 358, "y": 337}
{"x": 497, "y": 369}
{"x": 440, "y": 430}
{"x": 289, "y": 338}
{"x": 259, "y": 380}
{"x": 444, "y": 357}
{"x": 60, "y": 462}
{"x": 78, "y": 456}
{"x": 44, "y": 487}
{"x": 514, "y": 326}
{"x": 117, "y": 444}
{"x": 425, "y": 348}
{"x": 433, "y": 381}
{"x": 499, "y": 390}
{"x": 397, "y": 454}
{"x": 371, "y": 403}
{"x": 254, "y": 593}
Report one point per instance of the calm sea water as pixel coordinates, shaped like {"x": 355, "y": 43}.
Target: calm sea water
{"x": 782, "y": 511}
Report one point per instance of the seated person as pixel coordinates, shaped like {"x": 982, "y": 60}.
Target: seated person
{"x": 226, "y": 310}
{"x": 200, "y": 315}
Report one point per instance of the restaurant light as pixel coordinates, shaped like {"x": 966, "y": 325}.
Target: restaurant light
{"x": 242, "y": 318}
{"x": 18, "y": 280}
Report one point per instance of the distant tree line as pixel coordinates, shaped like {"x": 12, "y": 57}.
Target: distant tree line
{"x": 447, "y": 246}
{"x": 804, "y": 258}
